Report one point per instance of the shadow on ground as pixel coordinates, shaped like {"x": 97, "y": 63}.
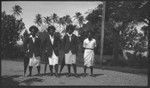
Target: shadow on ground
{"x": 94, "y": 75}
{"x": 31, "y": 80}
{"x": 8, "y": 80}
{"x": 48, "y": 74}
{"x": 65, "y": 74}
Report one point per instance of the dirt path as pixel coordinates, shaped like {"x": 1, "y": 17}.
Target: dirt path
{"x": 12, "y": 72}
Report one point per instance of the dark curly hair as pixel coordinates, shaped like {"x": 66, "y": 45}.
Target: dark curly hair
{"x": 70, "y": 27}
{"x": 51, "y": 27}
{"x": 33, "y": 28}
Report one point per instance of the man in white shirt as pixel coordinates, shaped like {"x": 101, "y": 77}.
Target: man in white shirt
{"x": 89, "y": 44}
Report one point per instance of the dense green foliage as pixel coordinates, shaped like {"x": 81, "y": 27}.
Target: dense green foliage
{"x": 10, "y": 30}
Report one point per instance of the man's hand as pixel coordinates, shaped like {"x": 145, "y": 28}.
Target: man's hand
{"x": 27, "y": 51}
{"x": 46, "y": 51}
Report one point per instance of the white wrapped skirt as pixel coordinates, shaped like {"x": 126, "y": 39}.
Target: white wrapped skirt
{"x": 70, "y": 58}
{"x": 34, "y": 61}
{"x": 88, "y": 57}
{"x": 53, "y": 60}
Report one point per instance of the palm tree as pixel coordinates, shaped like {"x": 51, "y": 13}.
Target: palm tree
{"x": 54, "y": 18}
{"x": 17, "y": 10}
{"x": 67, "y": 19}
{"x": 48, "y": 20}
{"x": 79, "y": 18}
{"x": 38, "y": 19}
{"x": 61, "y": 21}
{"x": 77, "y": 15}
{"x": 19, "y": 25}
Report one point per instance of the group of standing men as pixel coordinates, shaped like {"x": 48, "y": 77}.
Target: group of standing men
{"x": 35, "y": 49}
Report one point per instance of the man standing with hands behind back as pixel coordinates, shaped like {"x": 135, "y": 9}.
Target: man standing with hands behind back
{"x": 70, "y": 49}
{"x": 52, "y": 49}
{"x": 32, "y": 46}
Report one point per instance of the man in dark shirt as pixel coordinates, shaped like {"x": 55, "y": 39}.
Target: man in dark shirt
{"x": 32, "y": 46}
{"x": 70, "y": 49}
{"x": 52, "y": 49}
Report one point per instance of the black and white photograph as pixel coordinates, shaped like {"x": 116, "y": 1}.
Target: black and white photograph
{"x": 75, "y": 43}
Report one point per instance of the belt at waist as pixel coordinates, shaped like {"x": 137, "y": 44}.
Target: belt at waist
{"x": 89, "y": 48}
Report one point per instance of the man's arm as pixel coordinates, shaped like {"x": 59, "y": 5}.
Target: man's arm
{"x": 45, "y": 44}
{"x": 95, "y": 45}
{"x": 64, "y": 42}
{"x": 84, "y": 44}
{"x": 40, "y": 46}
{"x": 76, "y": 43}
{"x": 25, "y": 45}
{"x": 59, "y": 43}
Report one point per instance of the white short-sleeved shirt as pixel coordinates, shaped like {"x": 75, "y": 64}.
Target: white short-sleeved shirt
{"x": 89, "y": 44}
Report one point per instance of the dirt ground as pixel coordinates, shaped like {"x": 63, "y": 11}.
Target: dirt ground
{"x": 12, "y": 75}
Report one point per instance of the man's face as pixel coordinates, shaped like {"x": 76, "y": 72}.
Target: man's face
{"x": 51, "y": 31}
{"x": 89, "y": 35}
{"x": 33, "y": 32}
{"x": 70, "y": 31}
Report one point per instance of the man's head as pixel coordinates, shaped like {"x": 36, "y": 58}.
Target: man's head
{"x": 51, "y": 30}
{"x": 33, "y": 29}
{"x": 90, "y": 34}
{"x": 70, "y": 28}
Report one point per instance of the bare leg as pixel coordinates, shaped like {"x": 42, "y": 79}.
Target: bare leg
{"x": 91, "y": 70}
{"x": 69, "y": 74}
{"x": 38, "y": 69}
{"x": 45, "y": 67}
{"x": 85, "y": 70}
{"x": 30, "y": 70}
{"x": 62, "y": 65}
{"x": 26, "y": 61}
{"x": 75, "y": 69}
{"x": 51, "y": 69}
{"x": 56, "y": 70}
{"x": 61, "y": 68}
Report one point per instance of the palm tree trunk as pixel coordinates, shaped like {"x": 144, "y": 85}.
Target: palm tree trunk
{"x": 115, "y": 47}
{"x": 102, "y": 32}
{"x": 148, "y": 37}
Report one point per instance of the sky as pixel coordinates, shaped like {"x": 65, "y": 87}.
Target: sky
{"x": 46, "y": 8}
